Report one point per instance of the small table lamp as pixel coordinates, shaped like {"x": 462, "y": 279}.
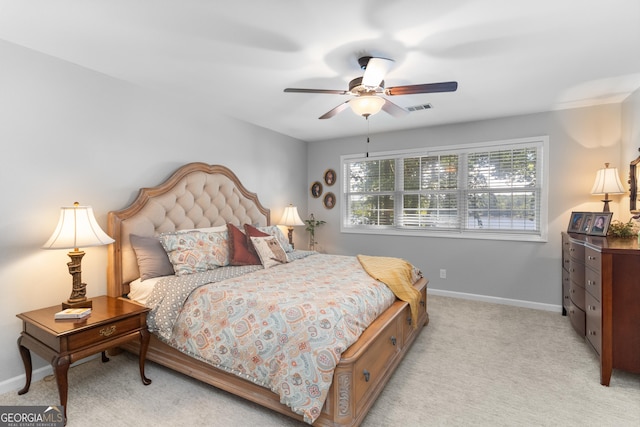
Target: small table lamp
{"x": 77, "y": 228}
{"x": 290, "y": 218}
{"x": 607, "y": 182}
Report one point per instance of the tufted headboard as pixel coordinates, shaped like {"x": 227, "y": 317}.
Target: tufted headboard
{"x": 197, "y": 195}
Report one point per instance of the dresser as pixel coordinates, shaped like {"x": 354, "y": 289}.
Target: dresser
{"x": 601, "y": 297}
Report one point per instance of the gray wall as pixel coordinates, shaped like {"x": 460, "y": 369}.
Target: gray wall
{"x": 524, "y": 273}
{"x": 70, "y": 134}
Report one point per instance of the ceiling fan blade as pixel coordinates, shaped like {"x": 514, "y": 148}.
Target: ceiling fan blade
{"x": 335, "y": 111}
{"x": 327, "y": 91}
{"x": 393, "y": 109}
{"x": 375, "y": 71}
{"x": 424, "y": 88}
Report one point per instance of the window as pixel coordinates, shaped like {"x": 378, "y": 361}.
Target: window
{"x": 490, "y": 190}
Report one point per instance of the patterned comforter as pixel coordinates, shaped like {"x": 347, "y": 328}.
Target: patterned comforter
{"x": 283, "y": 328}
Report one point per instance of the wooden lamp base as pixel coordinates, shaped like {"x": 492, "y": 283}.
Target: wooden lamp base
{"x": 78, "y": 298}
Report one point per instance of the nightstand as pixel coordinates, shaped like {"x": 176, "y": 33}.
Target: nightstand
{"x": 112, "y": 322}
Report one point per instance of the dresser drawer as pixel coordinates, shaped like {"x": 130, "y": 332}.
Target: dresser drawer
{"x": 577, "y": 318}
{"x": 593, "y": 259}
{"x": 576, "y": 294}
{"x": 576, "y": 250}
{"x": 369, "y": 369}
{"x": 576, "y": 269}
{"x": 593, "y": 283}
{"x": 565, "y": 260}
{"x": 566, "y": 286}
{"x": 594, "y": 322}
{"x": 103, "y": 332}
{"x": 565, "y": 252}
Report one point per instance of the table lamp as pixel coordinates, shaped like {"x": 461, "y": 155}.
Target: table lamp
{"x": 77, "y": 227}
{"x": 607, "y": 182}
{"x": 290, "y": 218}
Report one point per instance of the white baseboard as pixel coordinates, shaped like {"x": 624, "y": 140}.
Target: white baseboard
{"x": 497, "y": 300}
{"x": 17, "y": 383}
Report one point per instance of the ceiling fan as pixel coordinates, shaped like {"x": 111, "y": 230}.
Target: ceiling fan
{"x": 367, "y": 90}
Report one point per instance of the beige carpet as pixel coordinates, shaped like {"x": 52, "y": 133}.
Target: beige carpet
{"x": 475, "y": 364}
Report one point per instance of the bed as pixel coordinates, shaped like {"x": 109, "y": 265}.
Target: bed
{"x": 203, "y": 198}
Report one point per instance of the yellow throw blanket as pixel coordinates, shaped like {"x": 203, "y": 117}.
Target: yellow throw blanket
{"x": 396, "y": 273}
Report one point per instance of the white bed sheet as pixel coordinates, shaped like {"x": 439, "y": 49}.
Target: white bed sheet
{"x": 140, "y": 290}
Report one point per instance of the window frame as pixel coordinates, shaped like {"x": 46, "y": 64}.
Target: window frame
{"x": 542, "y": 163}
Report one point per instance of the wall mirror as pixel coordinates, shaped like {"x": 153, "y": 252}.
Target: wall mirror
{"x": 633, "y": 185}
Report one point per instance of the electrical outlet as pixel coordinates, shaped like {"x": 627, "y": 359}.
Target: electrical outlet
{"x": 443, "y": 273}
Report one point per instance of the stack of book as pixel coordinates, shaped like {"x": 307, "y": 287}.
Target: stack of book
{"x": 72, "y": 313}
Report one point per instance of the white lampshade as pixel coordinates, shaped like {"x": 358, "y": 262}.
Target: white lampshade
{"x": 607, "y": 182}
{"x": 290, "y": 217}
{"x": 366, "y": 105}
{"x": 77, "y": 228}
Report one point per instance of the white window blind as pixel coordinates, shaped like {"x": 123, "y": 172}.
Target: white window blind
{"x": 481, "y": 189}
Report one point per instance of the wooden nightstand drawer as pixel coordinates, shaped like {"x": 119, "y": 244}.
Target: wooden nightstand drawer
{"x": 102, "y": 333}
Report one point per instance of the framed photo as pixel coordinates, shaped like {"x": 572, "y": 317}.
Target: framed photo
{"x": 575, "y": 223}
{"x": 600, "y": 224}
{"x": 587, "y": 222}
{"x": 329, "y": 200}
{"x": 330, "y": 177}
{"x": 316, "y": 189}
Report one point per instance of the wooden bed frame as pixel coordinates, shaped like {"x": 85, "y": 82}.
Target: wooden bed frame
{"x": 199, "y": 195}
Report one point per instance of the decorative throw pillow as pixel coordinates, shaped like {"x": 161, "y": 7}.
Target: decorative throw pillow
{"x": 152, "y": 258}
{"x": 239, "y": 253}
{"x": 252, "y": 231}
{"x": 269, "y": 251}
{"x": 195, "y": 251}
{"x": 275, "y": 231}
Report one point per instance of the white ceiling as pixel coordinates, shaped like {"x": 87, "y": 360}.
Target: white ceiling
{"x": 509, "y": 57}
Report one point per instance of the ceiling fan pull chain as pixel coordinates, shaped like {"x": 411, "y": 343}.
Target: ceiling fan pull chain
{"x": 367, "y": 119}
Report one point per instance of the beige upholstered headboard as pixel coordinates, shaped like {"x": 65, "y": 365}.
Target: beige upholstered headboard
{"x": 197, "y": 195}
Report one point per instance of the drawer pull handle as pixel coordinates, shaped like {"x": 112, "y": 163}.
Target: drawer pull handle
{"x": 393, "y": 340}
{"x": 367, "y": 375}
{"x": 409, "y": 320}
{"x": 592, "y": 307}
{"x": 422, "y": 303}
{"x": 592, "y": 333}
{"x": 108, "y": 331}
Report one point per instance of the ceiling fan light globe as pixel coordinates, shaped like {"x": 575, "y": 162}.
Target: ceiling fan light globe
{"x": 366, "y": 105}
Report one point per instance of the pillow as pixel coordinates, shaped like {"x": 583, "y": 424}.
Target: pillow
{"x": 269, "y": 251}
{"x": 239, "y": 253}
{"x": 152, "y": 258}
{"x": 252, "y": 231}
{"x": 275, "y": 231}
{"x": 195, "y": 251}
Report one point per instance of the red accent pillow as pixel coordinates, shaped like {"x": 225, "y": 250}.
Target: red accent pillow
{"x": 239, "y": 253}
{"x": 251, "y": 231}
